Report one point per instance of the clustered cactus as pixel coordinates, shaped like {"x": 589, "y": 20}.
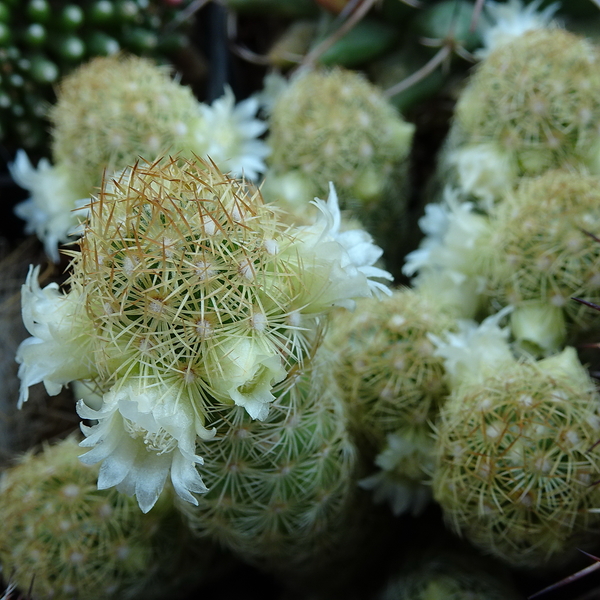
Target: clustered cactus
{"x": 218, "y": 372}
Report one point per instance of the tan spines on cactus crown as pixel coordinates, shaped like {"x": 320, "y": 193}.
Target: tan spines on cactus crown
{"x": 114, "y": 109}
{"x": 538, "y": 97}
{"x": 178, "y": 259}
{"x": 515, "y": 462}
{"x": 542, "y": 249}
{"x": 333, "y": 125}
{"x": 280, "y": 489}
{"x": 65, "y": 538}
{"x": 386, "y": 364}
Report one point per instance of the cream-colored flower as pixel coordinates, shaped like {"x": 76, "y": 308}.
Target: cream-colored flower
{"x": 145, "y": 431}
{"x": 504, "y": 21}
{"x": 343, "y": 260}
{"x": 228, "y": 135}
{"x": 59, "y": 350}
{"x": 475, "y": 349}
{"x": 245, "y": 371}
{"x": 484, "y": 171}
{"x": 50, "y": 210}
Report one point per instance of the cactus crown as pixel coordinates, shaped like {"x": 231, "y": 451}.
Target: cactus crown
{"x": 538, "y": 97}
{"x": 181, "y": 262}
{"x": 127, "y": 107}
{"x": 336, "y": 126}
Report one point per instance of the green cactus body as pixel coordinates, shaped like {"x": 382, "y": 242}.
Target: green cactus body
{"x": 333, "y": 125}
{"x": 537, "y": 98}
{"x": 280, "y": 490}
{"x": 336, "y": 126}
{"x": 532, "y": 105}
{"x": 516, "y": 460}
{"x": 188, "y": 297}
{"x": 62, "y": 538}
{"x": 127, "y": 107}
{"x": 386, "y": 364}
{"x": 541, "y": 249}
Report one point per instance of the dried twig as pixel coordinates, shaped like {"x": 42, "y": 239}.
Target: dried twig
{"x": 354, "y": 18}
{"x": 440, "y": 56}
{"x": 185, "y": 14}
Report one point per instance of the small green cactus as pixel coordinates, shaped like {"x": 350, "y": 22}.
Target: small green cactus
{"x": 335, "y": 126}
{"x": 386, "y": 364}
{"x": 62, "y": 538}
{"x": 543, "y": 252}
{"x": 532, "y": 105}
{"x": 516, "y": 459}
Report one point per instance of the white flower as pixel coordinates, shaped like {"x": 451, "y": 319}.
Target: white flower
{"x": 456, "y": 240}
{"x": 343, "y": 259}
{"x": 508, "y": 20}
{"x": 475, "y": 349}
{"x": 144, "y": 433}
{"x": 245, "y": 371}
{"x": 60, "y": 349}
{"x": 484, "y": 170}
{"x": 49, "y": 212}
{"x": 228, "y": 134}
{"x": 402, "y": 464}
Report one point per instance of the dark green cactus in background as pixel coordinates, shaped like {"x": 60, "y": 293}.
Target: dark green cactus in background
{"x": 42, "y": 40}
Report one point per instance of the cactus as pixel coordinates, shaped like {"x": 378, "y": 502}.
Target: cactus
{"x": 62, "y": 538}
{"x": 532, "y": 105}
{"x": 114, "y": 109}
{"x": 543, "y": 256}
{"x": 281, "y": 489}
{"x": 516, "y": 459}
{"x": 188, "y": 295}
{"x": 386, "y": 366}
{"x": 334, "y": 126}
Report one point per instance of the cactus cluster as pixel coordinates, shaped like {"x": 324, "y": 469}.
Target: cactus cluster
{"x": 188, "y": 295}
{"x": 42, "y": 40}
